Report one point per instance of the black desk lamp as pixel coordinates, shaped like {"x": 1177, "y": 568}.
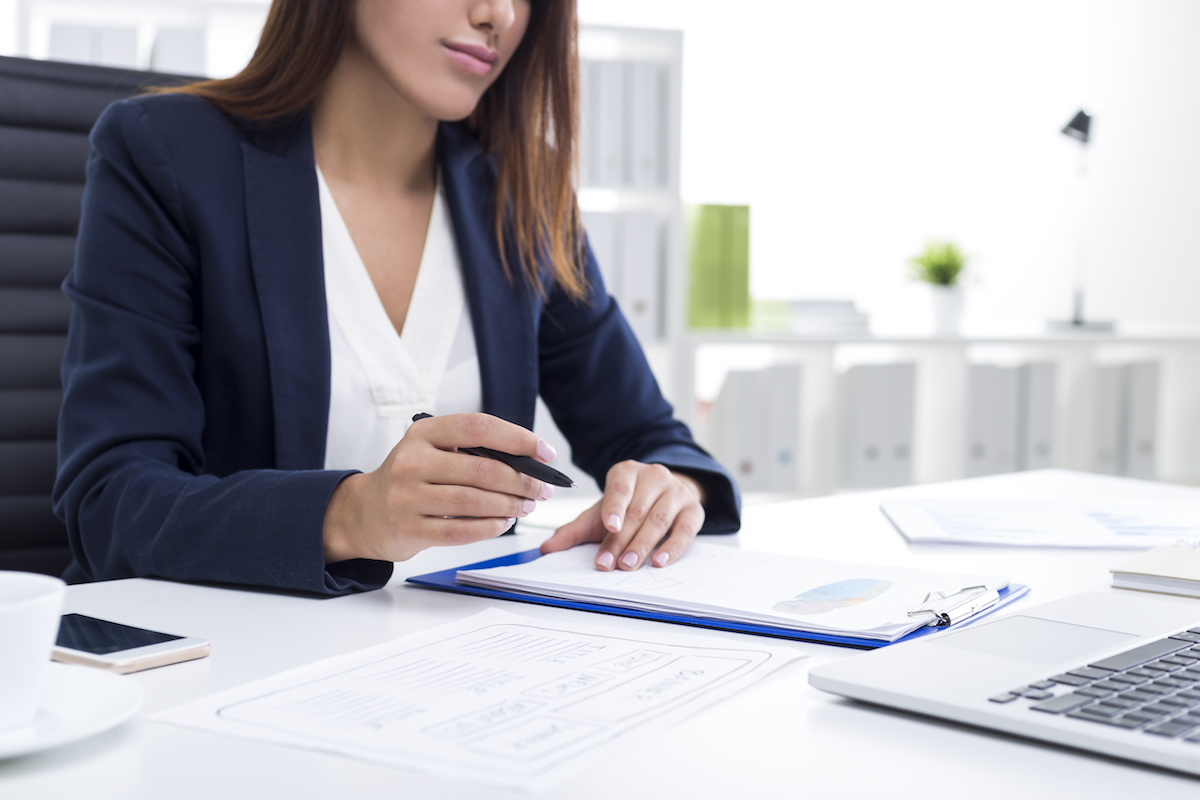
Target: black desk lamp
{"x": 1078, "y": 129}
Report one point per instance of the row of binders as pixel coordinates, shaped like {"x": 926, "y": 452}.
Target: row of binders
{"x": 755, "y": 428}
{"x": 623, "y": 121}
{"x": 629, "y": 247}
{"x": 1126, "y": 422}
{"x": 1010, "y": 418}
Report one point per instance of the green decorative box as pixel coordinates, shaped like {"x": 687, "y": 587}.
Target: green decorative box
{"x": 719, "y": 268}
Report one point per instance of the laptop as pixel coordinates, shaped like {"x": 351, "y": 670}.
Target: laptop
{"x": 1116, "y": 673}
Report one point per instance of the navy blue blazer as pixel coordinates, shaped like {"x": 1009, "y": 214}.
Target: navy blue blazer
{"x": 191, "y": 439}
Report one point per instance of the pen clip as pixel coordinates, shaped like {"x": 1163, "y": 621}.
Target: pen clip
{"x": 953, "y": 613}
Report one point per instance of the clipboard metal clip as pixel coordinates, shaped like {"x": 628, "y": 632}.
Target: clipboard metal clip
{"x": 945, "y": 609}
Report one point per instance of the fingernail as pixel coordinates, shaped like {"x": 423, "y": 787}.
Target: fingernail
{"x": 527, "y": 505}
{"x": 629, "y": 559}
{"x": 545, "y": 452}
{"x": 605, "y": 561}
{"x": 613, "y": 522}
{"x": 661, "y": 558}
{"x": 510, "y": 522}
{"x": 547, "y": 491}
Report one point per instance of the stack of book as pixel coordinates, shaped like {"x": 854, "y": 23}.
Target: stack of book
{"x": 827, "y": 318}
{"x": 1168, "y": 569}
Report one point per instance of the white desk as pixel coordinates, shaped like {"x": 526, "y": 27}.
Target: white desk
{"x": 781, "y": 738}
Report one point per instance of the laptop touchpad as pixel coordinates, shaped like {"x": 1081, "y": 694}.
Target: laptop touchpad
{"x": 1041, "y": 641}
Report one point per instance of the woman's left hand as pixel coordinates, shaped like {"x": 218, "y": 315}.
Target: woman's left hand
{"x": 644, "y": 506}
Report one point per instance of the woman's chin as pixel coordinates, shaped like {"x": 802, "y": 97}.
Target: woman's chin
{"x": 450, "y": 105}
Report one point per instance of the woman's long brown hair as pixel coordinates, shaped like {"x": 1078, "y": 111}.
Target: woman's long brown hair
{"x": 527, "y": 120}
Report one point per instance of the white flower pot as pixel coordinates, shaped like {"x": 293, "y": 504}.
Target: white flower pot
{"x": 947, "y": 309}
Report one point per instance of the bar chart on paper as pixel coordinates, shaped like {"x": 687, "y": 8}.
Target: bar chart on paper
{"x": 1046, "y": 523}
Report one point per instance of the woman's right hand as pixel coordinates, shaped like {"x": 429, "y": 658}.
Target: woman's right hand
{"x": 426, "y": 494}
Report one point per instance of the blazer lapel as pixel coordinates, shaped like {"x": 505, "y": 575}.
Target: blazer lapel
{"x": 283, "y": 220}
{"x": 504, "y": 313}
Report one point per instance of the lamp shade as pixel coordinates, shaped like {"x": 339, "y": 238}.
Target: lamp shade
{"x": 1078, "y": 127}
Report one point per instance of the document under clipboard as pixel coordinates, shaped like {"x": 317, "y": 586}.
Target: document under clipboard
{"x": 947, "y": 612}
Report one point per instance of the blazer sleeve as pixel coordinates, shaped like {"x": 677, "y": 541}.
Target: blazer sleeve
{"x": 132, "y": 485}
{"x": 600, "y": 390}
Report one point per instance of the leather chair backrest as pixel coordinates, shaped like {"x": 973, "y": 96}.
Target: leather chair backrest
{"x": 46, "y": 112}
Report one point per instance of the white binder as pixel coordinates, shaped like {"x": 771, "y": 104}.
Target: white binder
{"x": 587, "y": 122}
{"x": 877, "y": 406}
{"x": 733, "y": 429}
{"x": 1035, "y": 417}
{"x": 1005, "y": 405}
{"x": 779, "y": 393}
{"x": 604, "y": 237}
{"x": 639, "y": 289}
{"x": 645, "y": 124}
{"x": 981, "y": 433}
{"x": 1139, "y": 446}
{"x": 1107, "y": 434}
{"x": 608, "y": 124}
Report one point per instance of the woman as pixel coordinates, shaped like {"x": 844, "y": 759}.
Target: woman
{"x": 276, "y": 271}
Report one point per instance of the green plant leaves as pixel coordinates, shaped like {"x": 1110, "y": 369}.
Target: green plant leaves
{"x": 941, "y": 263}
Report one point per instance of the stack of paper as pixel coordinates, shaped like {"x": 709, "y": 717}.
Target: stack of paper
{"x": 734, "y": 585}
{"x": 1046, "y": 523}
{"x": 1169, "y": 569}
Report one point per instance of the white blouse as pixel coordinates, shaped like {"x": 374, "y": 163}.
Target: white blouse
{"x": 379, "y": 378}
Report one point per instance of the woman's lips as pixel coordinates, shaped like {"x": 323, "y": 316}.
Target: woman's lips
{"x": 473, "y": 58}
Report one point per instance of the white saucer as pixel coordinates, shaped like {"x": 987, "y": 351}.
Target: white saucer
{"x": 77, "y": 702}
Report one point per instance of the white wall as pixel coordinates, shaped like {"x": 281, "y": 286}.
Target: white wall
{"x": 857, "y": 129}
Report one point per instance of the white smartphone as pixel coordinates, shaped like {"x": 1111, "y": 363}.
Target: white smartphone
{"x": 120, "y": 648}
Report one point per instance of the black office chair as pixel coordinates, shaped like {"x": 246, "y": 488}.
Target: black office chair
{"x": 46, "y": 111}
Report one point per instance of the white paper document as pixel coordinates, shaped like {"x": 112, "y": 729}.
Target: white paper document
{"x": 1046, "y": 523}
{"x": 735, "y": 585}
{"x": 496, "y": 698}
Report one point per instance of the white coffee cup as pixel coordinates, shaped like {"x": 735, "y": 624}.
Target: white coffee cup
{"x": 30, "y": 608}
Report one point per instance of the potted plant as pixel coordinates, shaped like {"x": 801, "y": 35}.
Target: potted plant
{"x": 941, "y": 265}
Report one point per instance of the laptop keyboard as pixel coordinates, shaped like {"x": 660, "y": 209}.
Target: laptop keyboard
{"x": 1153, "y": 688}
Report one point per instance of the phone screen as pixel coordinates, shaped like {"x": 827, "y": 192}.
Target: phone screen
{"x": 99, "y": 636}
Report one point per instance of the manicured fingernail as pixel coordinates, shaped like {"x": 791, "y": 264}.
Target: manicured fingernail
{"x": 527, "y": 505}
{"x": 547, "y": 492}
{"x": 510, "y": 522}
{"x": 605, "y": 561}
{"x": 546, "y": 452}
{"x": 613, "y": 522}
{"x": 629, "y": 559}
{"x": 661, "y": 558}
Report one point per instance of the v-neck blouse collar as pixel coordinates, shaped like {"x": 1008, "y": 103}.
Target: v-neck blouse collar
{"x": 404, "y": 369}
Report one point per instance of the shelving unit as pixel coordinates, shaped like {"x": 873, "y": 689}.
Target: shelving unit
{"x": 939, "y": 446}
{"x": 644, "y": 55}
{"x": 625, "y": 48}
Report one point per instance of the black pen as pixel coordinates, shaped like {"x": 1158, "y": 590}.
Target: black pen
{"x": 522, "y": 464}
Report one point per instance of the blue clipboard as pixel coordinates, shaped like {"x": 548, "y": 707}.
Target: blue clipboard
{"x": 445, "y": 581}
